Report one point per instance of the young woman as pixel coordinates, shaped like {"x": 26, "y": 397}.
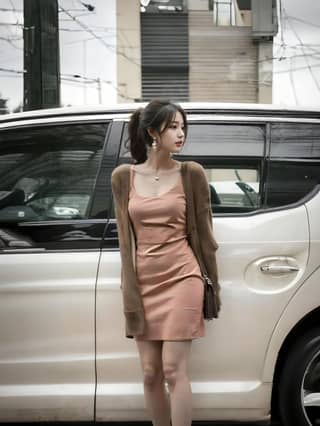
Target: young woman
{"x": 165, "y": 204}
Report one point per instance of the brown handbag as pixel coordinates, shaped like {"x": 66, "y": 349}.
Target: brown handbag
{"x": 210, "y": 305}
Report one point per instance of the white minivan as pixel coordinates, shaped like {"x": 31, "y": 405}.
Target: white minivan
{"x": 63, "y": 351}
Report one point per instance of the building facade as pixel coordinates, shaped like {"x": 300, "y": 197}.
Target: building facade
{"x": 196, "y": 50}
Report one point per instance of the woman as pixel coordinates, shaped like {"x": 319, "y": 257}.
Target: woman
{"x": 164, "y": 223}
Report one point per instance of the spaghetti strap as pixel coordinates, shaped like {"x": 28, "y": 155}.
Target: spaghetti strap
{"x": 131, "y": 173}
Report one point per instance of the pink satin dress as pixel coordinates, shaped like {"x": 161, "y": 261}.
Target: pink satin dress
{"x": 167, "y": 270}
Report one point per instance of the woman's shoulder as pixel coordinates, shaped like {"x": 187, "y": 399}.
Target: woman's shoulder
{"x": 195, "y": 168}
{"x": 119, "y": 171}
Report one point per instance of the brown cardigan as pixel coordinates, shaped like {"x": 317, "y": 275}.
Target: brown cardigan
{"x": 199, "y": 233}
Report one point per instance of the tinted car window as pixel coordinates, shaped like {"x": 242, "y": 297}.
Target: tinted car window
{"x": 224, "y": 140}
{"x": 217, "y": 140}
{"x": 295, "y": 140}
{"x": 234, "y": 189}
{"x": 294, "y": 167}
{"x": 232, "y": 155}
{"x": 48, "y": 173}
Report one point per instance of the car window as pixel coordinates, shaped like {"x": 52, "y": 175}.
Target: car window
{"x": 233, "y": 158}
{"x": 48, "y": 173}
{"x": 224, "y": 140}
{"x": 294, "y": 167}
{"x": 216, "y": 139}
{"x": 234, "y": 189}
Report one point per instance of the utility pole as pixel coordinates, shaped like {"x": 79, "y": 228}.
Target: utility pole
{"x": 41, "y": 55}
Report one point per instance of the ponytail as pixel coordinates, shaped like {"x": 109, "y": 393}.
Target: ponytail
{"x": 137, "y": 137}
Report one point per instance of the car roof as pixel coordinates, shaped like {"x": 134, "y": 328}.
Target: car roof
{"x": 189, "y": 107}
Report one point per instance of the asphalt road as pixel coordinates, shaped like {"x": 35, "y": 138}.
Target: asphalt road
{"x": 134, "y": 424}
{"x": 193, "y": 424}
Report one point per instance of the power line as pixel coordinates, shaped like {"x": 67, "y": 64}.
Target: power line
{"x": 15, "y": 12}
{"x": 80, "y": 41}
{"x": 87, "y": 5}
{"x": 3, "y": 9}
{"x": 10, "y": 41}
{"x": 11, "y": 70}
{"x": 100, "y": 39}
{"x": 293, "y": 83}
{"x": 305, "y": 56}
{"x": 298, "y": 46}
{"x": 283, "y": 58}
{"x": 75, "y": 79}
{"x": 75, "y": 16}
{"x": 10, "y": 24}
{"x": 303, "y": 21}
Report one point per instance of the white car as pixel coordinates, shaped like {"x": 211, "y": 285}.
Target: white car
{"x": 63, "y": 351}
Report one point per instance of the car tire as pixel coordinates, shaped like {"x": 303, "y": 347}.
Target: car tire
{"x": 300, "y": 376}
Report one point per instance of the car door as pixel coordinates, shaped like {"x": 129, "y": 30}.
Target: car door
{"x": 49, "y": 255}
{"x": 262, "y": 259}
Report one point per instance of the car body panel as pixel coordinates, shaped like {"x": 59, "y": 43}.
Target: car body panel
{"x": 47, "y": 324}
{"x": 306, "y": 297}
{"x": 220, "y": 382}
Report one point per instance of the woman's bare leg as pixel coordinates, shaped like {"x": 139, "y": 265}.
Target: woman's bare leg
{"x": 154, "y": 387}
{"x": 175, "y": 355}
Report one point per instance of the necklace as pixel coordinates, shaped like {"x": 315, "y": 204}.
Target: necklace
{"x": 156, "y": 176}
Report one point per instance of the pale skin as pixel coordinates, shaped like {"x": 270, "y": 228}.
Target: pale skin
{"x": 164, "y": 361}
{"x": 160, "y": 162}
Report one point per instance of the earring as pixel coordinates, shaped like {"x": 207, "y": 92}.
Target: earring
{"x": 154, "y": 144}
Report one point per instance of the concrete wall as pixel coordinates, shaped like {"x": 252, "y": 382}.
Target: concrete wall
{"x": 128, "y": 50}
{"x": 264, "y": 71}
{"x": 222, "y": 61}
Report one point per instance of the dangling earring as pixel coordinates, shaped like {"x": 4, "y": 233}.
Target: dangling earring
{"x": 154, "y": 144}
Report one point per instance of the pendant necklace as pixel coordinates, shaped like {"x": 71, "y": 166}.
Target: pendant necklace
{"x": 157, "y": 177}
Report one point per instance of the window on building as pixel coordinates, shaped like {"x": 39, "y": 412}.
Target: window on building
{"x": 223, "y": 12}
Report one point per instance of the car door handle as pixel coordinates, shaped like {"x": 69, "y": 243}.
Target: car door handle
{"x": 276, "y": 269}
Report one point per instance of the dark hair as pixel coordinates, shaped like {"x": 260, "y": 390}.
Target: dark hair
{"x": 154, "y": 115}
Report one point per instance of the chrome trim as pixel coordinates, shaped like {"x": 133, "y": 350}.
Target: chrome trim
{"x": 311, "y": 397}
{"x": 24, "y": 250}
{"x": 278, "y": 269}
{"x": 121, "y": 107}
{"x": 56, "y": 120}
{"x": 124, "y": 110}
{"x": 47, "y": 251}
{"x": 250, "y": 119}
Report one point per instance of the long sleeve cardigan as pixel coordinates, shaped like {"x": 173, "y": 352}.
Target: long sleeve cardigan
{"x": 199, "y": 234}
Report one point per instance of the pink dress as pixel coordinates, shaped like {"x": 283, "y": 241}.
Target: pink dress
{"x": 168, "y": 273}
